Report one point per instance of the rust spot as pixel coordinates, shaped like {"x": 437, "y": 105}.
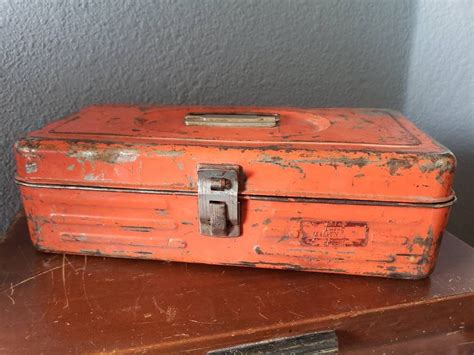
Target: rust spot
{"x": 96, "y": 252}
{"x": 442, "y": 163}
{"x": 395, "y": 164}
{"x": 257, "y": 250}
{"x": 37, "y": 224}
{"x": 139, "y": 120}
{"x": 144, "y": 252}
{"x": 140, "y": 229}
{"x": 279, "y": 265}
{"x": 280, "y": 162}
{"x": 267, "y": 221}
{"x": 400, "y": 275}
{"x": 73, "y": 237}
{"x": 390, "y": 260}
{"x": 27, "y": 146}
{"x": 334, "y": 162}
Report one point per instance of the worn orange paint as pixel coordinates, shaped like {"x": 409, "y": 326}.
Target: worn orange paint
{"x": 358, "y": 191}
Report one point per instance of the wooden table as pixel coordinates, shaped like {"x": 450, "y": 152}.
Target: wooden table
{"x": 57, "y": 304}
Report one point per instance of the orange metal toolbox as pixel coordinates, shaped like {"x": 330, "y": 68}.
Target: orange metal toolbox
{"x": 354, "y": 191}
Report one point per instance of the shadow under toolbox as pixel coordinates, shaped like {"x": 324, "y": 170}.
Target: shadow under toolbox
{"x": 354, "y": 191}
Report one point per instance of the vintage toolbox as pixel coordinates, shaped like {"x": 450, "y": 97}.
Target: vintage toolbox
{"x": 354, "y": 191}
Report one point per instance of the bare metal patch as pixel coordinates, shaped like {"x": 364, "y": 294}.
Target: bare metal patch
{"x": 31, "y": 168}
{"x": 168, "y": 153}
{"x": 112, "y": 156}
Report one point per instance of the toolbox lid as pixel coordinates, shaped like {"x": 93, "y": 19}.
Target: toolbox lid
{"x": 334, "y": 153}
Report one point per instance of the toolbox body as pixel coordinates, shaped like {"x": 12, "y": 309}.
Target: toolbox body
{"x": 353, "y": 191}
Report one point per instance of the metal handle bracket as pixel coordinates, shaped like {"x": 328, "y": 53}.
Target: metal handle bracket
{"x": 231, "y": 120}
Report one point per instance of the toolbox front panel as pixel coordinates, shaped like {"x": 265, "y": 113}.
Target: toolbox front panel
{"x": 365, "y": 239}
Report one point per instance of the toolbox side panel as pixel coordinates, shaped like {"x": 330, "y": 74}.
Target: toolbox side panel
{"x": 364, "y": 239}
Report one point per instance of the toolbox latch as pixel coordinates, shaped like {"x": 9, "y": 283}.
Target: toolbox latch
{"x": 219, "y": 208}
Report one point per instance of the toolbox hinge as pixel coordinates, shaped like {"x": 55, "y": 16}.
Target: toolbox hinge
{"x": 219, "y": 208}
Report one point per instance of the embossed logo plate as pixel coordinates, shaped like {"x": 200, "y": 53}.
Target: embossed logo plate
{"x": 333, "y": 233}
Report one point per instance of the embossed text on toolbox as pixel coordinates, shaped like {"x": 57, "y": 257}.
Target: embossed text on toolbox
{"x": 333, "y": 233}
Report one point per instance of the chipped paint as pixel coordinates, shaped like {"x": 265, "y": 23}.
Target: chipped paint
{"x": 300, "y": 192}
{"x": 167, "y": 153}
{"x": 394, "y": 164}
{"x": 161, "y": 211}
{"x": 91, "y": 153}
{"x": 441, "y": 164}
{"x": 261, "y": 263}
{"x": 93, "y": 177}
{"x": 31, "y": 168}
{"x": 74, "y": 237}
{"x": 279, "y": 162}
{"x": 141, "y": 229}
{"x": 295, "y": 163}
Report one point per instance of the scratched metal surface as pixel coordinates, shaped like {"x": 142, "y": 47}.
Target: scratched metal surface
{"x": 367, "y": 154}
{"x": 76, "y": 304}
{"x": 316, "y": 154}
{"x": 373, "y": 240}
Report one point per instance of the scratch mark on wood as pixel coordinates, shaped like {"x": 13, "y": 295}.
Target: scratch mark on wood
{"x": 155, "y": 303}
{"x": 11, "y": 294}
{"x": 296, "y": 314}
{"x": 64, "y": 281}
{"x": 32, "y": 278}
{"x": 84, "y": 284}
{"x": 199, "y": 322}
{"x": 72, "y": 266}
{"x": 263, "y": 316}
{"x": 170, "y": 314}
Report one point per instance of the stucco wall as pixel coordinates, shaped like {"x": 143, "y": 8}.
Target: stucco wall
{"x": 440, "y": 93}
{"x": 57, "y": 57}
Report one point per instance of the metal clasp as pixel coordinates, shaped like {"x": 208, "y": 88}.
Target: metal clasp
{"x": 219, "y": 208}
